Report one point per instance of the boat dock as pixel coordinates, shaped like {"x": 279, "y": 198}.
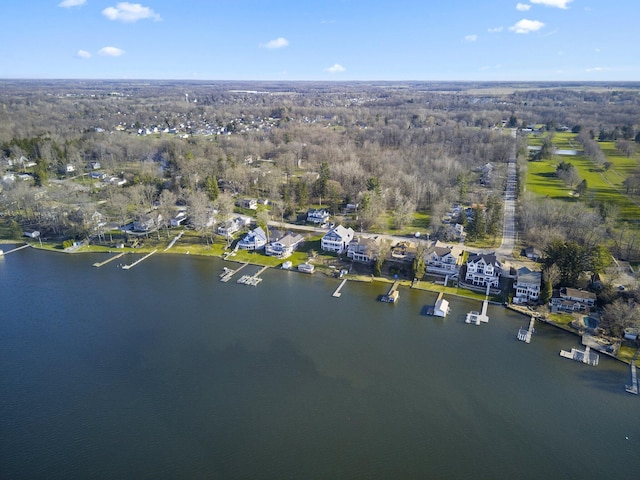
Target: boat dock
{"x": 252, "y": 280}
{"x": 633, "y": 388}
{"x": 337, "y": 292}
{"x": 392, "y": 295}
{"x": 582, "y": 356}
{"x": 15, "y": 249}
{"x": 127, "y": 267}
{"x": 481, "y": 316}
{"x": 227, "y": 273}
{"x": 99, "y": 264}
{"x": 525, "y": 335}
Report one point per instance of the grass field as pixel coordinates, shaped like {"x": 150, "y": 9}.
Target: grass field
{"x": 602, "y": 185}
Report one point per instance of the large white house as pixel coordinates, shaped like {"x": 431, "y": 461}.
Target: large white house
{"x": 483, "y": 269}
{"x": 443, "y": 259}
{"x": 527, "y": 286}
{"x": 284, "y": 246}
{"x": 256, "y": 239}
{"x": 337, "y": 239}
{"x": 572, "y": 300}
{"x": 363, "y": 249}
{"x": 318, "y": 216}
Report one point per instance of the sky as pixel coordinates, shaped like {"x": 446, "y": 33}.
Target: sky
{"x": 322, "y": 40}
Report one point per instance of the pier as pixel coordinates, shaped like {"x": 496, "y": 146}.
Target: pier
{"x": 583, "y": 356}
{"x": 525, "y": 335}
{"x": 99, "y": 264}
{"x": 127, "y": 267}
{"x": 15, "y": 249}
{"x": 337, "y": 292}
{"x": 392, "y": 295}
{"x": 633, "y": 388}
{"x": 252, "y": 280}
{"x": 227, "y": 273}
{"x": 481, "y": 316}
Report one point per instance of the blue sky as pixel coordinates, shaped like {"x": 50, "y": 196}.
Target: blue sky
{"x": 499, "y": 40}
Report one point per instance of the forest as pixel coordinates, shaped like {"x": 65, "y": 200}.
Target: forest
{"x": 80, "y": 158}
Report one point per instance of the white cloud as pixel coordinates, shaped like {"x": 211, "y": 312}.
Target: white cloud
{"x": 597, "y": 69}
{"x": 129, "y": 12}
{"x": 495, "y": 29}
{"x": 111, "y": 52}
{"x": 71, "y": 3}
{"x": 553, "y": 3}
{"x": 336, "y": 68}
{"x": 471, "y": 38}
{"x": 526, "y": 26}
{"x": 83, "y": 54}
{"x": 523, "y": 7}
{"x": 279, "y": 42}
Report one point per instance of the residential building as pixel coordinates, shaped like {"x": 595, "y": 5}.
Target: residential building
{"x": 527, "y": 286}
{"x": 318, "y": 216}
{"x": 256, "y": 239}
{"x": 337, "y": 239}
{"x": 442, "y": 259}
{"x": 250, "y": 203}
{"x": 284, "y": 246}
{"x": 572, "y": 300}
{"x": 403, "y": 252}
{"x": 229, "y": 227}
{"x": 483, "y": 269}
{"x": 363, "y": 249}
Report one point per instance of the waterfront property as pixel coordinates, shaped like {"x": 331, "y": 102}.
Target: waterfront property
{"x": 256, "y": 239}
{"x": 363, "y": 249}
{"x": 572, "y": 300}
{"x": 392, "y": 295}
{"x": 442, "y": 259}
{"x": 483, "y": 270}
{"x": 318, "y": 216}
{"x": 306, "y": 268}
{"x": 284, "y": 246}
{"x": 584, "y": 356}
{"x": 337, "y": 239}
{"x": 527, "y": 286}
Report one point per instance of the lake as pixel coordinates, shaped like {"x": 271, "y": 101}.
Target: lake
{"x": 163, "y": 371}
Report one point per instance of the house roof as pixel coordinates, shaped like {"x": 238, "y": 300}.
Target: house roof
{"x": 340, "y": 231}
{"x": 525, "y": 275}
{"x": 575, "y": 293}
{"x": 487, "y": 258}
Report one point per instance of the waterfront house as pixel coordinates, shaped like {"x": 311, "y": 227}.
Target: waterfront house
{"x": 178, "y": 219}
{"x": 363, "y": 249}
{"x": 572, "y": 300}
{"x": 527, "y": 286}
{"x": 256, "y": 239}
{"x": 443, "y": 259}
{"x": 483, "y": 269}
{"x": 284, "y": 246}
{"x": 318, "y": 216}
{"x": 337, "y": 239}
{"x": 229, "y": 227}
{"x": 403, "y": 252}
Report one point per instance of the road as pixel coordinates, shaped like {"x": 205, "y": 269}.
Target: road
{"x": 509, "y": 227}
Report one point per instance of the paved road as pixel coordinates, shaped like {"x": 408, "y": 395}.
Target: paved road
{"x": 509, "y": 228}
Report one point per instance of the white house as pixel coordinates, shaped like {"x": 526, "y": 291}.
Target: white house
{"x": 483, "y": 269}
{"x": 527, "y": 286}
{"x": 284, "y": 246}
{"x": 256, "y": 239}
{"x": 318, "y": 216}
{"x": 250, "y": 203}
{"x": 337, "y": 239}
{"x": 572, "y": 300}
{"x": 443, "y": 259}
{"x": 229, "y": 227}
{"x": 363, "y": 249}
{"x": 178, "y": 219}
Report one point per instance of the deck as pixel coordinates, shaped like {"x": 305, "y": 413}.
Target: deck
{"x": 392, "y": 295}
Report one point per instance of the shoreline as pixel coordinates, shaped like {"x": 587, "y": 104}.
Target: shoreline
{"x": 420, "y": 285}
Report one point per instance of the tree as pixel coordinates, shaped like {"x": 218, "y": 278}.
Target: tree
{"x": 581, "y": 189}
{"x": 320, "y": 185}
{"x": 262, "y": 220}
{"x": 550, "y": 276}
{"x": 211, "y": 187}
{"x": 571, "y": 259}
{"x": 418, "y": 268}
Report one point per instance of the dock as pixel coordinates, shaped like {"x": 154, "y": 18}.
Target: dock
{"x": 252, "y": 280}
{"x": 227, "y": 273}
{"x": 477, "y": 318}
{"x": 525, "y": 335}
{"x": 337, "y": 292}
{"x": 15, "y": 249}
{"x": 583, "y": 356}
{"x": 633, "y": 388}
{"x": 99, "y": 264}
{"x": 127, "y": 267}
{"x": 392, "y": 295}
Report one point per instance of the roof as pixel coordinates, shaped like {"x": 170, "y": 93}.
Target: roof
{"x": 525, "y": 275}
{"x": 487, "y": 258}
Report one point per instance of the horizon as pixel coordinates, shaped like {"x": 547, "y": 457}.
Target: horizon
{"x": 332, "y": 40}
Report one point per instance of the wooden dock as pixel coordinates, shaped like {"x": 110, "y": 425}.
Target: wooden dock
{"x": 337, "y": 292}
{"x": 392, "y": 295}
{"x": 226, "y": 275}
{"x": 252, "y": 280}
{"x": 15, "y": 249}
{"x": 479, "y": 317}
{"x": 633, "y": 388}
{"x": 525, "y": 335}
{"x": 583, "y": 356}
{"x": 99, "y": 264}
{"x": 127, "y": 267}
